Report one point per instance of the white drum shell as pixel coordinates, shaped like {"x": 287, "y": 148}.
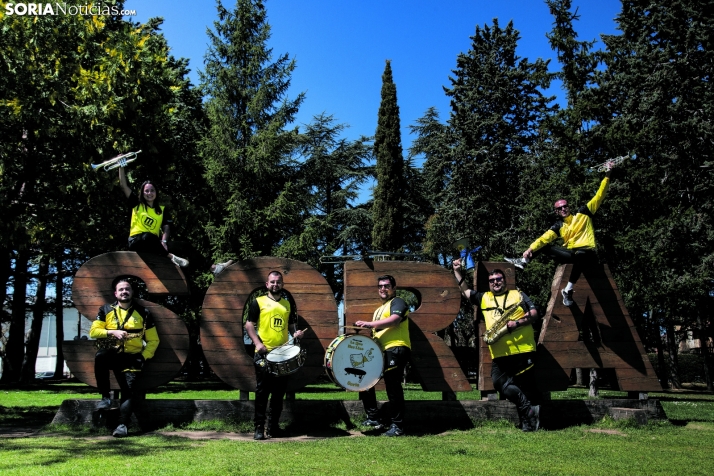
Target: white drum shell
{"x": 354, "y": 362}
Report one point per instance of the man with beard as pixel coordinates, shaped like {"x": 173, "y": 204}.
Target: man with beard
{"x": 127, "y": 338}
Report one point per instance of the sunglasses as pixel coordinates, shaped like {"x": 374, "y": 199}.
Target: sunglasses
{"x": 385, "y": 286}
{"x": 495, "y": 280}
{"x": 562, "y": 208}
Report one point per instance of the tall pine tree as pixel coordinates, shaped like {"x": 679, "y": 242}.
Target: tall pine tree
{"x": 656, "y": 100}
{"x": 247, "y": 149}
{"x": 333, "y": 168}
{"x": 497, "y": 113}
{"x": 387, "y": 210}
{"x": 558, "y": 169}
{"x": 433, "y": 145}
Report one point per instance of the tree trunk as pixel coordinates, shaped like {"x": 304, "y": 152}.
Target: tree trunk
{"x": 5, "y": 271}
{"x": 38, "y": 315}
{"x": 673, "y": 363}
{"x": 656, "y": 332}
{"x": 579, "y": 377}
{"x": 15, "y": 348}
{"x": 704, "y": 348}
{"x": 594, "y": 391}
{"x": 59, "y": 316}
{"x": 662, "y": 372}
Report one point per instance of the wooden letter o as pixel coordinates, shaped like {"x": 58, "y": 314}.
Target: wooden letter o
{"x": 222, "y": 318}
{"x": 92, "y": 289}
{"x": 436, "y": 365}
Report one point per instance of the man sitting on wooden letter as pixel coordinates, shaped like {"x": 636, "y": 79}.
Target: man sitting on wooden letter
{"x": 509, "y": 334}
{"x": 126, "y": 338}
{"x": 269, "y": 317}
{"x": 390, "y": 327}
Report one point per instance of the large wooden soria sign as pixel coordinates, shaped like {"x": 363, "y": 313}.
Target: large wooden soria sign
{"x": 226, "y": 299}
{"x": 611, "y": 339}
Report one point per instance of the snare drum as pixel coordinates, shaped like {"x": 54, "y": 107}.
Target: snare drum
{"x": 285, "y": 360}
{"x": 354, "y": 362}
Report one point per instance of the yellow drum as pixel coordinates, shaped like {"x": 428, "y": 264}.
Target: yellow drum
{"x": 354, "y": 362}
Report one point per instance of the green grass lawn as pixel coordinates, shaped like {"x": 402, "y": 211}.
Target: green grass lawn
{"x": 684, "y": 445}
{"x": 489, "y": 449}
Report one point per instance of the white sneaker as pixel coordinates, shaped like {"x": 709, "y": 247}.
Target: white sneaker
{"x": 180, "y": 262}
{"x": 567, "y": 297}
{"x": 105, "y": 404}
{"x": 221, "y": 266}
{"x": 519, "y": 263}
{"x": 120, "y": 431}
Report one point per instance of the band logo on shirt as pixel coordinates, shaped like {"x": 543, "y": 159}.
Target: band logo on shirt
{"x": 277, "y": 323}
{"x": 149, "y": 222}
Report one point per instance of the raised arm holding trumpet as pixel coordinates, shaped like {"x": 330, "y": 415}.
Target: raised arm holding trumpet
{"x": 149, "y": 228}
{"x": 117, "y": 162}
{"x": 577, "y": 232}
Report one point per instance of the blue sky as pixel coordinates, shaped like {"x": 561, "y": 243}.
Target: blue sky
{"x": 341, "y": 46}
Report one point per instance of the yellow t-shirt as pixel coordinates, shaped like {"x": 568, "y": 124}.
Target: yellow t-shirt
{"x": 521, "y": 339}
{"x": 145, "y": 219}
{"x": 273, "y": 319}
{"x": 393, "y": 336}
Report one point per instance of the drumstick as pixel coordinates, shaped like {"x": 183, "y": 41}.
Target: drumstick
{"x": 354, "y": 327}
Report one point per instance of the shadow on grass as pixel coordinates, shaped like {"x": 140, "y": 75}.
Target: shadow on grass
{"x": 56, "y": 451}
{"x": 179, "y": 387}
{"x": 27, "y": 416}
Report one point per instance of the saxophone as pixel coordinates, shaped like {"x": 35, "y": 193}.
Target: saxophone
{"x": 111, "y": 342}
{"x": 500, "y": 327}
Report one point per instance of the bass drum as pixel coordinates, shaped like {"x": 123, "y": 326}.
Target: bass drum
{"x": 354, "y": 362}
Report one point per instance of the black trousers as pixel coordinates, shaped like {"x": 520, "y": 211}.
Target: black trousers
{"x": 268, "y": 386}
{"x": 396, "y": 360}
{"x": 516, "y": 386}
{"x": 150, "y": 243}
{"x": 580, "y": 257}
{"x": 126, "y": 368}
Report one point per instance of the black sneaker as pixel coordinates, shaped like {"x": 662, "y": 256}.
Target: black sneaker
{"x": 374, "y": 424}
{"x": 394, "y": 430}
{"x": 259, "y": 433}
{"x": 531, "y": 422}
{"x": 275, "y": 432}
{"x": 534, "y": 417}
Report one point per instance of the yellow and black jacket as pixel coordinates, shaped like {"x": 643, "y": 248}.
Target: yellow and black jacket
{"x": 393, "y": 336}
{"x": 133, "y": 320}
{"x": 577, "y": 230}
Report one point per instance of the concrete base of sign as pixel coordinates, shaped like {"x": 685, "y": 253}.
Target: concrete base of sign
{"x": 421, "y": 416}
{"x": 638, "y": 415}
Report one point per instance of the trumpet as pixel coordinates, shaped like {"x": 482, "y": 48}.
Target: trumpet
{"x": 118, "y": 161}
{"x": 609, "y": 164}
